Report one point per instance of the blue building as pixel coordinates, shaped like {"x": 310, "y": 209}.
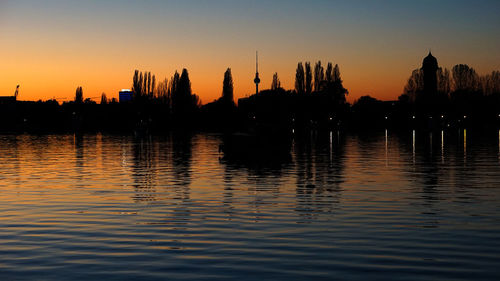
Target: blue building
{"x": 125, "y": 95}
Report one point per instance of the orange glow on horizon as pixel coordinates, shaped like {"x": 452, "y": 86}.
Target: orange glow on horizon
{"x": 45, "y": 80}
{"x": 57, "y": 77}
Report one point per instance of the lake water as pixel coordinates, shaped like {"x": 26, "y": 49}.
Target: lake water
{"x": 384, "y": 206}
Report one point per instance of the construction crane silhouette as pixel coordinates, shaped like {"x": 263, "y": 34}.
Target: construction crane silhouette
{"x": 16, "y": 92}
{"x": 10, "y": 99}
{"x": 61, "y": 98}
{"x": 66, "y": 98}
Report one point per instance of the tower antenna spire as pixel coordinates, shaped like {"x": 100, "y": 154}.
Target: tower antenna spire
{"x": 257, "y": 79}
{"x": 257, "y": 61}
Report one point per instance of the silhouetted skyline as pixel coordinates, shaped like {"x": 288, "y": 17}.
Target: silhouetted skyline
{"x": 433, "y": 98}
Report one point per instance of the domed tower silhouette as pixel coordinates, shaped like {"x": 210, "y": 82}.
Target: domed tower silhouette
{"x": 257, "y": 79}
{"x": 430, "y": 67}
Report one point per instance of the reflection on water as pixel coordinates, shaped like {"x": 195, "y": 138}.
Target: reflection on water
{"x": 322, "y": 205}
{"x": 442, "y": 147}
{"x": 465, "y": 145}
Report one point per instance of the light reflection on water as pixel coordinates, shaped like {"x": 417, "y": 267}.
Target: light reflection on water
{"x": 340, "y": 207}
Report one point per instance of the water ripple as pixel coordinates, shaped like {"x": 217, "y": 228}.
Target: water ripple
{"x": 346, "y": 207}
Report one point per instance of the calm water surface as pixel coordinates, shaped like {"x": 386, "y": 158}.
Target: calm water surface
{"x": 415, "y": 206}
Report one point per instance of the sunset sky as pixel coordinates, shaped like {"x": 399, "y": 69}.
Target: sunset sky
{"x": 51, "y": 47}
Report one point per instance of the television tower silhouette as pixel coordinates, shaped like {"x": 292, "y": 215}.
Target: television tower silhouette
{"x": 257, "y": 79}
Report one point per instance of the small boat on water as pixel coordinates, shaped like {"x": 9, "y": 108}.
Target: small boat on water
{"x": 256, "y": 147}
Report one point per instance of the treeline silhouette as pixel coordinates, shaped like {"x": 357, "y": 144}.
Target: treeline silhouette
{"x": 461, "y": 98}
{"x": 443, "y": 98}
{"x": 318, "y": 101}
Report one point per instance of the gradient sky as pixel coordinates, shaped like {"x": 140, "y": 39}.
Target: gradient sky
{"x": 51, "y": 47}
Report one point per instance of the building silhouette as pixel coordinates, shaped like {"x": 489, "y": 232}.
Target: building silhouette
{"x": 429, "y": 69}
{"x": 125, "y": 95}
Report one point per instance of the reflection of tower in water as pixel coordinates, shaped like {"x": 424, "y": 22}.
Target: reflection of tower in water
{"x": 79, "y": 158}
{"x": 319, "y": 168}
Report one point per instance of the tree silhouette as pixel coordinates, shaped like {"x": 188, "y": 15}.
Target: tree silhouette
{"x": 104, "y": 99}
{"x": 174, "y": 84}
{"x": 300, "y": 82}
{"x": 183, "y": 101}
{"x": 149, "y": 92}
{"x": 79, "y": 95}
{"x": 318, "y": 76}
{"x": 490, "y": 83}
{"x": 329, "y": 73}
{"x": 162, "y": 92}
{"x": 153, "y": 85}
{"x": 443, "y": 81}
{"x": 135, "y": 81}
{"x": 227, "y": 87}
{"x": 137, "y": 84}
{"x": 143, "y": 86}
{"x": 415, "y": 84}
{"x": 414, "y": 87}
{"x": 195, "y": 102}
{"x": 275, "y": 84}
{"x": 308, "y": 74}
{"x": 336, "y": 74}
{"x": 465, "y": 78}
{"x": 184, "y": 84}
{"x": 334, "y": 88}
